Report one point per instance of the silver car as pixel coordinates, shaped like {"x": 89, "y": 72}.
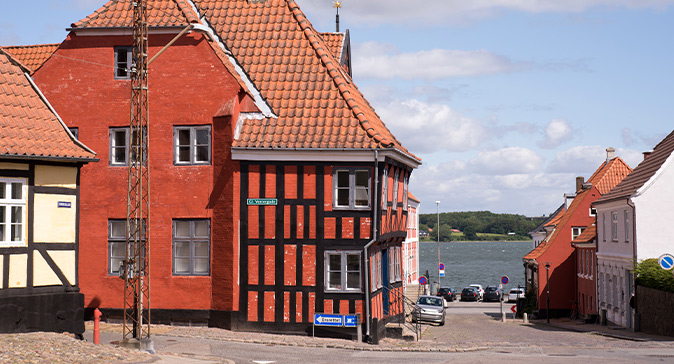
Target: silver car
{"x": 430, "y": 308}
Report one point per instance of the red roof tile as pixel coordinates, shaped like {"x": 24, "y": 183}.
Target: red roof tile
{"x": 643, "y": 172}
{"x": 335, "y": 41}
{"x": 28, "y": 126}
{"x": 605, "y": 179}
{"x": 119, "y": 14}
{"x": 588, "y": 235}
{"x": 32, "y": 56}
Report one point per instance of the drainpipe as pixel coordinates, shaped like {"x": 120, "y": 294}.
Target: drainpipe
{"x": 367, "y": 246}
{"x": 635, "y": 322}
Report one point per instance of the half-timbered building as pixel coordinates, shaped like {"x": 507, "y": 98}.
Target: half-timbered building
{"x": 40, "y": 163}
{"x": 277, "y": 191}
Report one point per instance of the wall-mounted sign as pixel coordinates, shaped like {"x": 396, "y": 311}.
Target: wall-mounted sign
{"x": 261, "y": 202}
{"x": 64, "y": 204}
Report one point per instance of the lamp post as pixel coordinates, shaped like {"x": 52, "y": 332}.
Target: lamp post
{"x": 437, "y": 207}
{"x": 547, "y": 285}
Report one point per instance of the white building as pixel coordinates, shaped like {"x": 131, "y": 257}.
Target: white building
{"x": 411, "y": 244}
{"x": 634, "y": 224}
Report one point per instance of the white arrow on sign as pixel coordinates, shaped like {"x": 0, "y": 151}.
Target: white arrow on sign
{"x": 332, "y": 320}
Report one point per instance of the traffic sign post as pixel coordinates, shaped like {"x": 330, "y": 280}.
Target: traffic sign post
{"x": 504, "y": 280}
{"x": 337, "y": 320}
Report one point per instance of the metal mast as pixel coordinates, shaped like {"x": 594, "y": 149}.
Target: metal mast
{"x": 136, "y": 266}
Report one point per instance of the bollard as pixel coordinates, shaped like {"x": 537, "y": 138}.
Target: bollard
{"x": 503, "y": 318}
{"x": 526, "y": 318}
{"x": 97, "y": 329}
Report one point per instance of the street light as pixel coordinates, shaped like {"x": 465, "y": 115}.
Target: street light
{"x": 437, "y": 205}
{"x": 547, "y": 284}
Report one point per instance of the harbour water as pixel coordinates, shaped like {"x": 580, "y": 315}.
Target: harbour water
{"x": 475, "y": 263}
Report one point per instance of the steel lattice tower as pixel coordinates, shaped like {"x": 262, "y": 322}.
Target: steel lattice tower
{"x": 136, "y": 267}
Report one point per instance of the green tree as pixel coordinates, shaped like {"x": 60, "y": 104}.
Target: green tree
{"x": 651, "y": 275}
{"x": 470, "y": 233}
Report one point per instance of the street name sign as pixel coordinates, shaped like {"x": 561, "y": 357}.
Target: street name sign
{"x": 326, "y": 319}
{"x": 262, "y": 202}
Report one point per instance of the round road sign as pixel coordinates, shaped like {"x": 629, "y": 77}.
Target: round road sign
{"x": 422, "y": 280}
{"x": 442, "y": 266}
{"x": 505, "y": 280}
{"x": 666, "y": 261}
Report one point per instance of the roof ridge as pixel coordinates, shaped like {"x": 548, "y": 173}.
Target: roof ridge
{"x": 335, "y": 73}
{"x": 97, "y": 13}
{"x": 14, "y": 60}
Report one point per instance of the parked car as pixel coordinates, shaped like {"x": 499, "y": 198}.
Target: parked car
{"x": 429, "y": 308}
{"x": 470, "y": 294}
{"x": 492, "y": 293}
{"x": 513, "y": 294}
{"x": 479, "y": 289}
{"x": 448, "y": 293}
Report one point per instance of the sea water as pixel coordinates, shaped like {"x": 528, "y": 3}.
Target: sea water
{"x": 475, "y": 263}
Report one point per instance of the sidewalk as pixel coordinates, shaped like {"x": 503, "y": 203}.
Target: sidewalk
{"x": 615, "y": 332}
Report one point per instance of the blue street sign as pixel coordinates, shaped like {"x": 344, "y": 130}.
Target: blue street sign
{"x": 505, "y": 280}
{"x": 442, "y": 273}
{"x": 666, "y": 261}
{"x": 350, "y": 320}
{"x": 422, "y": 280}
{"x": 442, "y": 266}
{"x": 327, "y": 319}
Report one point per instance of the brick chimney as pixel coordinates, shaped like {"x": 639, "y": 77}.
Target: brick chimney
{"x": 647, "y": 154}
{"x": 610, "y": 153}
{"x": 579, "y": 183}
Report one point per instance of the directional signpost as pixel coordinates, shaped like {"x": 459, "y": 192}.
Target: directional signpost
{"x": 504, "y": 280}
{"x": 441, "y": 269}
{"x": 337, "y": 320}
{"x": 666, "y": 261}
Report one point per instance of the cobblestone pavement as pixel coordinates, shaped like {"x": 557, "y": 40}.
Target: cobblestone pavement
{"x": 461, "y": 333}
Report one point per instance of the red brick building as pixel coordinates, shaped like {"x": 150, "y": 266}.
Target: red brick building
{"x": 557, "y": 250}
{"x": 276, "y": 190}
{"x": 586, "y": 272}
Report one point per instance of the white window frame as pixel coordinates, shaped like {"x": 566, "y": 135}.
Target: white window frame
{"x": 384, "y": 189}
{"x": 575, "y": 229}
{"x": 593, "y": 211}
{"x": 123, "y": 66}
{"x": 351, "y": 188}
{"x": 193, "y": 146}
{"x": 627, "y": 225}
{"x": 113, "y": 146}
{"x": 603, "y": 226}
{"x": 396, "y": 177}
{"x": 343, "y": 271}
{"x": 191, "y": 240}
{"x": 394, "y": 274}
{"x": 614, "y": 226}
{"x": 9, "y": 204}
{"x": 406, "y": 181}
{"x": 114, "y": 241}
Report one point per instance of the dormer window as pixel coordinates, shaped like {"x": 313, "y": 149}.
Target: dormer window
{"x": 123, "y": 62}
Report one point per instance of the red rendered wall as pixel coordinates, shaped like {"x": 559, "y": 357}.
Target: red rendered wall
{"x": 188, "y": 85}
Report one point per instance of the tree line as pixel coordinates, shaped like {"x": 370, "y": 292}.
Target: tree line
{"x": 474, "y": 224}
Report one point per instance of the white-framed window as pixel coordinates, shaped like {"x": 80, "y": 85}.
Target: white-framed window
{"x": 576, "y": 231}
{"x": 603, "y": 226}
{"x": 614, "y": 226}
{"x": 627, "y": 225}
{"x": 123, "y": 62}
{"x": 13, "y": 197}
{"x": 396, "y": 177}
{"x": 352, "y": 189}
{"x": 394, "y": 273}
{"x": 378, "y": 271}
{"x": 191, "y": 247}
{"x": 406, "y": 182}
{"x": 384, "y": 189}
{"x": 117, "y": 243}
{"x": 119, "y": 146}
{"x": 342, "y": 271}
{"x": 192, "y": 144}
{"x": 593, "y": 211}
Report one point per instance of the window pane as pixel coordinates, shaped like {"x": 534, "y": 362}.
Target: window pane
{"x": 2, "y": 214}
{"x": 352, "y": 262}
{"x": 16, "y": 232}
{"x": 201, "y": 249}
{"x": 182, "y": 265}
{"x": 119, "y": 138}
{"x": 201, "y": 228}
{"x": 343, "y": 179}
{"x": 17, "y": 216}
{"x": 201, "y": 154}
{"x": 335, "y": 262}
{"x": 16, "y": 191}
{"x": 184, "y": 137}
{"x": 118, "y": 229}
{"x": 182, "y": 250}
{"x": 362, "y": 178}
{"x": 182, "y": 229}
{"x": 361, "y": 198}
{"x": 334, "y": 280}
{"x": 183, "y": 154}
{"x": 114, "y": 265}
{"x": 3, "y": 188}
{"x": 342, "y": 197}
{"x": 353, "y": 280}
{"x": 117, "y": 249}
{"x": 201, "y": 265}
{"x": 203, "y": 137}
{"x": 2, "y": 232}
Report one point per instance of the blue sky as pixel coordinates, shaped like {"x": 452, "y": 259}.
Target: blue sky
{"x": 506, "y": 101}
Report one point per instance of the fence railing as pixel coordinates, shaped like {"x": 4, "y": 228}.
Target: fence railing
{"x": 404, "y": 310}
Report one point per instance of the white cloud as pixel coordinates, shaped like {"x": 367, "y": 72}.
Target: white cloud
{"x": 425, "y": 127}
{"x": 557, "y": 132}
{"x": 584, "y": 160}
{"x": 383, "y": 61}
{"x": 507, "y": 161}
{"x": 438, "y": 12}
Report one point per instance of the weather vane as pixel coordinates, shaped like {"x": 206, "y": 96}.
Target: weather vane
{"x": 337, "y": 5}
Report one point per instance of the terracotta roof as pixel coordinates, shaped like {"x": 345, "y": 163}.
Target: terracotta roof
{"x": 604, "y": 176}
{"x": 28, "y": 125}
{"x": 334, "y": 41}
{"x": 119, "y": 14}
{"x": 410, "y": 196}
{"x": 32, "y": 56}
{"x": 549, "y": 221}
{"x": 588, "y": 235}
{"x": 643, "y": 172}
